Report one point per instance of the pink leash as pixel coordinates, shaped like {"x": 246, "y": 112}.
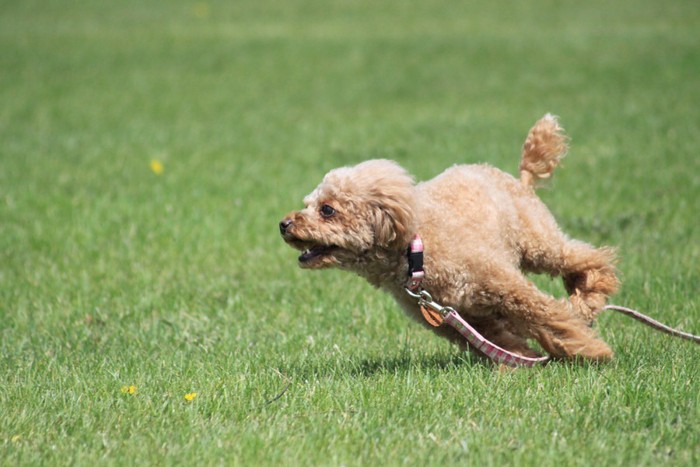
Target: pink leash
{"x": 503, "y": 356}
{"x": 488, "y": 348}
{"x": 476, "y": 340}
{"x": 653, "y": 323}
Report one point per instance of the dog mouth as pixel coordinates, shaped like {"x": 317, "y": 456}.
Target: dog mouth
{"x": 315, "y": 252}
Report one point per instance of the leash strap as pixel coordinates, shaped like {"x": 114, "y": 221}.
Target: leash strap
{"x": 503, "y": 356}
{"x": 488, "y": 348}
{"x": 653, "y": 323}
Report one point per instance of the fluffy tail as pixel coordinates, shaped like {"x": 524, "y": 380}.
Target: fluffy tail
{"x": 545, "y": 146}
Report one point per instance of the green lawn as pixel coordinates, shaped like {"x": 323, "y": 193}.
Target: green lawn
{"x": 112, "y": 275}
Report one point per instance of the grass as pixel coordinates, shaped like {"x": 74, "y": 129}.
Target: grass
{"x": 178, "y": 283}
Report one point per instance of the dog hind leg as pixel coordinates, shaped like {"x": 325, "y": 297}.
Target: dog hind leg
{"x": 589, "y": 277}
{"x": 553, "y": 323}
{"x": 588, "y": 272}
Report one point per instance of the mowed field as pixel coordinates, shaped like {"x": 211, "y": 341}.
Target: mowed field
{"x": 150, "y": 313}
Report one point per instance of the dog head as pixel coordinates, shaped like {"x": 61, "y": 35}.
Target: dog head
{"x": 355, "y": 212}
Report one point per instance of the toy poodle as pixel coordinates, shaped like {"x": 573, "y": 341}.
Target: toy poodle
{"x": 483, "y": 230}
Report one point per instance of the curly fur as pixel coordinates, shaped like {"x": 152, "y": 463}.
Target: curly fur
{"x": 482, "y": 230}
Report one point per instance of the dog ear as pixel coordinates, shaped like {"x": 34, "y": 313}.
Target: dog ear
{"x": 394, "y": 214}
{"x": 387, "y": 189}
{"x": 393, "y": 225}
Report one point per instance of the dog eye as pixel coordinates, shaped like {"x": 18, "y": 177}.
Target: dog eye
{"x": 327, "y": 211}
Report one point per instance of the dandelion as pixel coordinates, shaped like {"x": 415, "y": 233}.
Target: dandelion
{"x": 157, "y": 166}
{"x": 129, "y": 389}
{"x": 190, "y": 396}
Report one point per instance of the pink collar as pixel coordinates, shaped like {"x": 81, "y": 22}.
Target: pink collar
{"x": 415, "y": 264}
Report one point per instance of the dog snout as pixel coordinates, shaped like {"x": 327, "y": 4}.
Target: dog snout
{"x": 284, "y": 225}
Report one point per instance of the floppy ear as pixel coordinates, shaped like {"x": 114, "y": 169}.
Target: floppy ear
{"x": 387, "y": 190}
{"x": 393, "y": 225}
{"x": 393, "y": 214}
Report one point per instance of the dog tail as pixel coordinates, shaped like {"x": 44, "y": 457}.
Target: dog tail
{"x": 545, "y": 146}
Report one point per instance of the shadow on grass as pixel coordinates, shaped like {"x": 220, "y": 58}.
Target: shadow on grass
{"x": 369, "y": 366}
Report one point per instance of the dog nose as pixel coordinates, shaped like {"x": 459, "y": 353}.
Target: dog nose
{"x": 284, "y": 225}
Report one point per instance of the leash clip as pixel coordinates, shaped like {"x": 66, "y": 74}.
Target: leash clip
{"x": 426, "y": 300}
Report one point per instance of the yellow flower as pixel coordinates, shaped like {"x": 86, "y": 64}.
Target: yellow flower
{"x": 201, "y": 10}
{"x": 190, "y": 396}
{"x": 129, "y": 389}
{"x": 157, "y": 166}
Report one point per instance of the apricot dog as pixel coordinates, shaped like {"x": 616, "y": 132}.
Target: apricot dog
{"x": 482, "y": 230}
